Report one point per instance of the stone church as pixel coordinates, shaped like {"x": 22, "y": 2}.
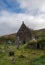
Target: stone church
{"x": 24, "y": 34}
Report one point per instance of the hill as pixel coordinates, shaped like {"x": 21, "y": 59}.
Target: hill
{"x": 10, "y": 36}
{"x": 40, "y": 33}
{"x": 5, "y": 38}
{"x": 37, "y": 33}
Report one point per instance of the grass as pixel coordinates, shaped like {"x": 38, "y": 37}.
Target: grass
{"x": 39, "y": 61}
{"x": 31, "y": 56}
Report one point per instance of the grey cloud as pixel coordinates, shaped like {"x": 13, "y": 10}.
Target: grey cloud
{"x": 11, "y": 22}
{"x": 6, "y": 29}
{"x": 34, "y": 7}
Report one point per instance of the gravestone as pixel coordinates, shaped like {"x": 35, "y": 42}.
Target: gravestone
{"x": 11, "y": 53}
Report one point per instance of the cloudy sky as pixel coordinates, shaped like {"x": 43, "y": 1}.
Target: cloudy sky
{"x": 13, "y": 12}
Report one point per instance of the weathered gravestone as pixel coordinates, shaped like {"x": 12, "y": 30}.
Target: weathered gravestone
{"x": 17, "y": 43}
{"x": 11, "y": 53}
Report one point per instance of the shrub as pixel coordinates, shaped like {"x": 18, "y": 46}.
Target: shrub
{"x": 32, "y": 42}
{"x": 41, "y": 41}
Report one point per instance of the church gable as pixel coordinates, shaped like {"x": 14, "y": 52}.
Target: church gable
{"x": 24, "y": 33}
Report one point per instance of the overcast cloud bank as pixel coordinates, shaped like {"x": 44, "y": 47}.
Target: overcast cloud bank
{"x": 32, "y": 12}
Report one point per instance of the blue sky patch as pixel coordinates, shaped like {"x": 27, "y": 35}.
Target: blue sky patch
{"x": 11, "y": 6}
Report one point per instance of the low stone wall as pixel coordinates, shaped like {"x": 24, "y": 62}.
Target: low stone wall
{"x": 36, "y": 46}
{"x": 32, "y": 46}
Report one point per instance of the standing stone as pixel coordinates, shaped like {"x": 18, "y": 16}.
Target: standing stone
{"x": 17, "y": 43}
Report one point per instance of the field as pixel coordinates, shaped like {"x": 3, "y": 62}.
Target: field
{"x": 22, "y": 56}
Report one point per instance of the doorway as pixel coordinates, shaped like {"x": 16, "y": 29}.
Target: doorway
{"x": 24, "y": 42}
{"x": 38, "y": 46}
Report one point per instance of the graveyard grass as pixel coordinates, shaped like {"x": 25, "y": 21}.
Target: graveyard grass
{"x": 22, "y": 56}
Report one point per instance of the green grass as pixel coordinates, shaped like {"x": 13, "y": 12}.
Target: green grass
{"x": 30, "y": 55}
{"x": 39, "y": 61}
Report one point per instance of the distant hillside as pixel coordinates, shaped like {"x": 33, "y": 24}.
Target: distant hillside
{"x": 11, "y": 37}
{"x": 40, "y": 33}
{"x": 37, "y": 33}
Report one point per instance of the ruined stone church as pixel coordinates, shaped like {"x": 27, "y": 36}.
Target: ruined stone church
{"x": 24, "y": 34}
